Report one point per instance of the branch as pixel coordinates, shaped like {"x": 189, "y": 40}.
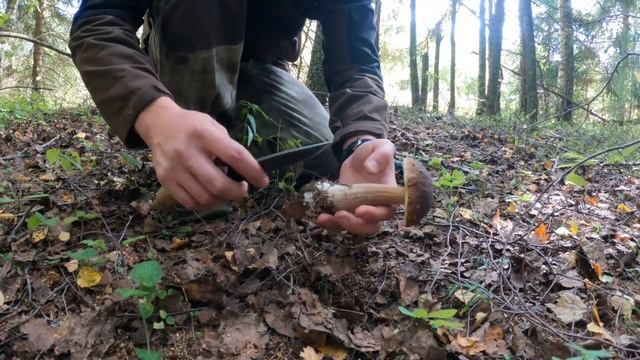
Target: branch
{"x": 606, "y": 17}
{"x": 34, "y": 41}
{"x": 25, "y": 87}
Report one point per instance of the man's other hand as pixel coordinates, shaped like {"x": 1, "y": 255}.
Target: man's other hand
{"x": 184, "y": 145}
{"x": 372, "y": 162}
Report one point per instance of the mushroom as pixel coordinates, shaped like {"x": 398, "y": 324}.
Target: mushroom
{"x": 416, "y": 194}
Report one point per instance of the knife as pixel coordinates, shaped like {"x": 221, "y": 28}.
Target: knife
{"x": 272, "y": 162}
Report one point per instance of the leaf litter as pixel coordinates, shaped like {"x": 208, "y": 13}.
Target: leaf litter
{"x": 527, "y": 276}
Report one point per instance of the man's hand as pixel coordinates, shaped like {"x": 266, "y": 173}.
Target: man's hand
{"x": 372, "y": 162}
{"x": 184, "y": 145}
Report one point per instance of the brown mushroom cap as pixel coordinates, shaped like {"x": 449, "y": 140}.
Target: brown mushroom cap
{"x": 418, "y": 191}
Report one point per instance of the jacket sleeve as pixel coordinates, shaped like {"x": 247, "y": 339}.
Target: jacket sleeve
{"x": 115, "y": 70}
{"x": 352, "y": 71}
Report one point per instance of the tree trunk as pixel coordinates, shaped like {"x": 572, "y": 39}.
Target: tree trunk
{"x": 315, "y": 76}
{"x": 424, "y": 92}
{"x": 38, "y": 31}
{"x": 437, "y": 33}
{"x": 10, "y": 14}
{"x": 378, "y": 22}
{"x": 482, "y": 62}
{"x": 452, "y": 83}
{"x": 495, "y": 52}
{"x": 528, "y": 77}
{"x": 413, "y": 58}
{"x": 565, "y": 70}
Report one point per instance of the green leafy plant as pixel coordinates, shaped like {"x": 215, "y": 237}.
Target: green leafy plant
{"x": 146, "y": 276}
{"x": 37, "y": 219}
{"x": 435, "y": 163}
{"x": 65, "y": 158}
{"x": 585, "y": 354}
{"x": 131, "y": 161}
{"x": 437, "y": 319}
{"x": 478, "y": 165}
{"x": 88, "y": 256}
{"x": 132, "y": 240}
{"x": 450, "y": 180}
{"x": 79, "y": 216}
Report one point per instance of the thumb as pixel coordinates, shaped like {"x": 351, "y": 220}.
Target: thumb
{"x": 380, "y": 157}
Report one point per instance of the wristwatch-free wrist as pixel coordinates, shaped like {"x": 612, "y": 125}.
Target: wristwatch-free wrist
{"x": 351, "y": 148}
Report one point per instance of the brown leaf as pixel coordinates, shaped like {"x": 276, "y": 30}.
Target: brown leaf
{"x": 333, "y": 352}
{"x": 309, "y": 353}
{"x": 409, "y": 291}
{"x": 244, "y": 335}
{"x": 335, "y": 267}
{"x": 569, "y": 308}
{"x": 40, "y": 337}
{"x": 279, "y": 320}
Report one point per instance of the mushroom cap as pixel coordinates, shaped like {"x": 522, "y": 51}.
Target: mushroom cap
{"x": 418, "y": 198}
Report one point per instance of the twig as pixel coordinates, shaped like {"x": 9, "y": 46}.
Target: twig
{"x": 34, "y": 41}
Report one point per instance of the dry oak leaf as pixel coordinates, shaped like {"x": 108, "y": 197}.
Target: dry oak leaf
{"x": 467, "y": 346}
{"x": 309, "y": 353}
{"x": 88, "y": 277}
{"x": 600, "y": 331}
{"x": 40, "y": 337}
{"x": 569, "y": 308}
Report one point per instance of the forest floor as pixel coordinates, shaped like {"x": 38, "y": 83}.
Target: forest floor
{"x": 533, "y": 267}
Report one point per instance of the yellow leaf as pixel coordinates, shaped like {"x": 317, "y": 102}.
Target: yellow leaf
{"x": 71, "y": 265}
{"x": 574, "y": 228}
{"x": 309, "y": 353}
{"x": 599, "y": 330}
{"x": 231, "y": 259}
{"x": 466, "y": 213}
{"x": 542, "y": 233}
{"x": 88, "y": 277}
{"x": 39, "y": 235}
{"x": 596, "y": 315}
{"x": 80, "y": 135}
{"x": 1, "y": 299}
{"x": 627, "y": 304}
{"x": 623, "y": 209}
{"x": 68, "y": 198}
{"x": 64, "y": 236}
{"x": 598, "y": 269}
{"x": 333, "y": 352}
{"x": 591, "y": 200}
{"x": 513, "y": 208}
{"x": 464, "y": 295}
{"x": 177, "y": 243}
{"x": 47, "y": 177}
{"x": 7, "y": 216}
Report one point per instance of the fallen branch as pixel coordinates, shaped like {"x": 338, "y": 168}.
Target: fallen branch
{"x": 34, "y": 41}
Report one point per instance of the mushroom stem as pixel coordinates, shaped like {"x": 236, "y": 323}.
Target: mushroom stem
{"x": 349, "y": 197}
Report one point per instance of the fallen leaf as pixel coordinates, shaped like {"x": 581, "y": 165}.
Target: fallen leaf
{"x": 80, "y": 135}
{"x": 39, "y": 335}
{"x": 333, "y": 352}
{"x": 575, "y": 179}
{"x": 598, "y": 269}
{"x": 68, "y": 198}
{"x": 512, "y": 208}
{"x": 309, "y": 353}
{"x": 466, "y": 213}
{"x": 88, "y": 277}
{"x": 71, "y": 265}
{"x": 231, "y": 260}
{"x": 7, "y": 216}
{"x": 599, "y": 330}
{"x": 64, "y": 236}
{"x": 1, "y": 299}
{"x": 549, "y": 164}
{"x": 622, "y": 237}
{"x": 562, "y": 231}
{"x": 569, "y": 308}
{"x": 624, "y": 305}
{"x": 591, "y": 200}
{"x": 177, "y": 243}
{"x": 47, "y": 177}
{"x": 542, "y": 233}
{"x": 39, "y": 235}
{"x": 494, "y": 341}
{"x": 503, "y": 226}
{"x": 623, "y": 209}
{"x": 464, "y": 295}
{"x": 467, "y": 346}
{"x": 596, "y": 314}
{"x": 574, "y": 228}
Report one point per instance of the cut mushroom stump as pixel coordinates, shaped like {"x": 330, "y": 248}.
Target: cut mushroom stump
{"x": 416, "y": 195}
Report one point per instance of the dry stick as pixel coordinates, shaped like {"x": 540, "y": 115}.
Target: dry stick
{"x": 25, "y": 87}
{"x": 571, "y": 169}
{"x": 34, "y": 41}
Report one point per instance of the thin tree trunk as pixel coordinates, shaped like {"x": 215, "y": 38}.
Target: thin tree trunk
{"x": 437, "y": 33}
{"x": 38, "y": 31}
{"x": 528, "y": 78}
{"x": 482, "y": 62}
{"x": 378, "y": 22}
{"x": 315, "y": 76}
{"x": 452, "y": 83}
{"x": 495, "y": 53}
{"x": 424, "y": 92}
{"x": 565, "y": 71}
{"x": 413, "y": 58}
{"x": 10, "y": 14}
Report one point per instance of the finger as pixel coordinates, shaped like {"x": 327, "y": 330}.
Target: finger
{"x": 181, "y": 196}
{"x": 327, "y": 221}
{"x": 197, "y": 192}
{"x": 356, "y": 225}
{"x": 375, "y": 214}
{"x": 240, "y": 159}
{"x": 216, "y": 182}
{"x": 379, "y": 157}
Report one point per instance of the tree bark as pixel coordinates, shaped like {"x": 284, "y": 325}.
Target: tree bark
{"x": 424, "y": 92}
{"x": 452, "y": 77}
{"x": 482, "y": 62}
{"x": 10, "y": 14}
{"x": 495, "y": 53}
{"x": 565, "y": 70}
{"x": 413, "y": 58}
{"x": 315, "y": 77}
{"x": 38, "y": 31}
{"x": 528, "y": 78}
{"x": 378, "y": 22}
{"x": 437, "y": 33}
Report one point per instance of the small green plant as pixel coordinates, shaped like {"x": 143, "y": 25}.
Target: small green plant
{"x": 6, "y": 257}
{"x": 585, "y": 354}
{"x": 478, "y": 165}
{"x": 88, "y": 256}
{"x": 451, "y": 180}
{"x": 435, "y": 163}
{"x": 79, "y": 216}
{"x": 37, "y": 219}
{"x": 146, "y": 276}
{"x": 131, "y": 161}
{"x": 132, "y": 240}
{"x": 437, "y": 319}
{"x": 66, "y": 159}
